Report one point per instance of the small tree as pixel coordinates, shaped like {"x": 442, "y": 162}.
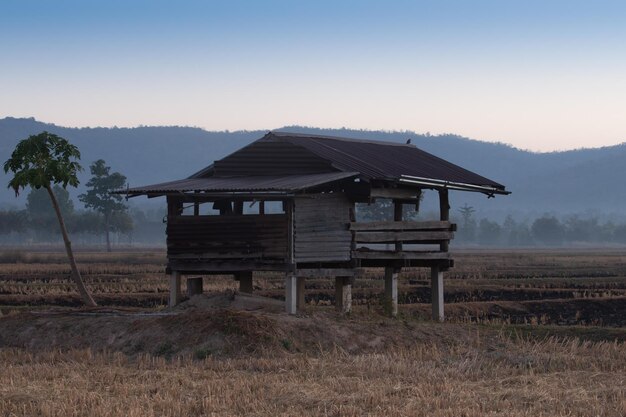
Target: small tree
{"x": 99, "y": 196}
{"x": 43, "y": 160}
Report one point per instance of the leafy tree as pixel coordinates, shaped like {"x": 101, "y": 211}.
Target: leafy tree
{"x": 488, "y": 232}
{"x": 99, "y": 196}
{"x": 39, "y": 162}
{"x": 548, "y": 230}
{"x": 12, "y": 221}
{"x": 38, "y": 202}
{"x": 88, "y": 222}
{"x": 122, "y": 222}
{"x": 41, "y": 214}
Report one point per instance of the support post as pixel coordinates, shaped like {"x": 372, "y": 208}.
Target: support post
{"x": 444, "y": 210}
{"x": 291, "y": 295}
{"x": 245, "y": 281}
{"x": 397, "y": 217}
{"x": 391, "y": 290}
{"x": 343, "y": 294}
{"x": 436, "y": 284}
{"x": 174, "y": 288}
{"x": 194, "y": 286}
{"x": 300, "y": 293}
{"x": 174, "y": 207}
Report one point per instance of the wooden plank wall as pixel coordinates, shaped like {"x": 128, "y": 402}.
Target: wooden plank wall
{"x": 403, "y": 232}
{"x": 321, "y": 223}
{"x": 227, "y": 237}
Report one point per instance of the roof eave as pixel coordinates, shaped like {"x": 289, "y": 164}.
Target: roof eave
{"x": 451, "y": 185}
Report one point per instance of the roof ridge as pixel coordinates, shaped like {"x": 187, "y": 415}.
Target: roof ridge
{"x": 281, "y": 133}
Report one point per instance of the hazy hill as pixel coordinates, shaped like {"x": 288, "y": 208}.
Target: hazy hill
{"x": 574, "y": 181}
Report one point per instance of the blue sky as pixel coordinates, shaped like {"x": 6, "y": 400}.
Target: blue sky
{"x": 540, "y": 75}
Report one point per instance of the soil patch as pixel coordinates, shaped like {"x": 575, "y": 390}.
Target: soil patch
{"x": 222, "y": 324}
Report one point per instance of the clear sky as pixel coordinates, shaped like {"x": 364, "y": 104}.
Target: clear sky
{"x": 540, "y": 75}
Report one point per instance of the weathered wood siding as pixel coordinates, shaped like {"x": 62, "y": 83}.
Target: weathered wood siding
{"x": 227, "y": 237}
{"x": 321, "y": 223}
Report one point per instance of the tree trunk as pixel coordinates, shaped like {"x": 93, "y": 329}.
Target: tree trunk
{"x": 87, "y": 299}
{"x": 107, "y": 221}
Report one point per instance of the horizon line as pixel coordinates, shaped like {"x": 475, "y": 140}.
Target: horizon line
{"x": 353, "y": 129}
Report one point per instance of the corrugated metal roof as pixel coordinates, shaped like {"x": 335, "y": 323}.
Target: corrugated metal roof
{"x": 282, "y": 161}
{"x": 287, "y": 183}
{"x": 381, "y": 160}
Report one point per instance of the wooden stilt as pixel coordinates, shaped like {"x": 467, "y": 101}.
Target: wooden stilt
{"x": 343, "y": 294}
{"x": 397, "y": 216}
{"x": 444, "y": 214}
{"x": 194, "y": 286}
{"x": 436, "y": 283}
{"x": 174, "y": 288}
{"x": 245, "y": 281}
{"x": 300, "y": 293}
{"x": 291, "y": 293}
{"x": 391, "y": 290}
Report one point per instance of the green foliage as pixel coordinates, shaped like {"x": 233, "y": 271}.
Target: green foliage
{"x": 13, "y": 221}
{"x": 488, "y": 232}
{"x": 102, "y": 182}
{"x": 38, "y": 204}
{"x": 100, "y": 199}
{"x": 548, "y": 230}
{"x": 122, "y": 222}
{"x": 41, "y": 160}
{"x": 88, "y": 222}
{"x": 41, "y": 215}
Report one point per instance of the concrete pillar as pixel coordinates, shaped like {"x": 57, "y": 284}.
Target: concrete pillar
{"x": 291, "y": 290}
{"x": 391, "y": 290}
{"x": 194, "y": 286}
{"x": 245, "y": 281}
{"x": 300, "y": 293}
{"x": 343, "y": 294}
{"x": 436, "y": 284}
{"x": 174, "y": 288}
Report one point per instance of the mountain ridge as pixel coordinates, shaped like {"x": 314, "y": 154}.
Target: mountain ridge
{"x": 560, "y": 181}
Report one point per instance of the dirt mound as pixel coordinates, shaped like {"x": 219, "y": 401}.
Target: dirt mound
{"x": 233, "y": 300}
{"x": 227, "y": 324}
{"x": 223, "y": 324}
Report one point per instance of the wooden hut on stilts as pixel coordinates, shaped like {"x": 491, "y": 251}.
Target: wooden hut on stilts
{"x": 299, "y": 192}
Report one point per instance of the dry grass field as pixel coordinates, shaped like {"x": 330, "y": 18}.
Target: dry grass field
{"x": 529, "y": 334}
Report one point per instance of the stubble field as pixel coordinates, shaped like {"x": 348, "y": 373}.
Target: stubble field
{"x": 528, "y": 334}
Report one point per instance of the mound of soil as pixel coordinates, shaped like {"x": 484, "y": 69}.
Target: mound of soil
{"x": 223, "y": 324}
{"x": 231, "y": 324}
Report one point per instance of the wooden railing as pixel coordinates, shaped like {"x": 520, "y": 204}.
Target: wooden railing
{"x": 399, "y": 233}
